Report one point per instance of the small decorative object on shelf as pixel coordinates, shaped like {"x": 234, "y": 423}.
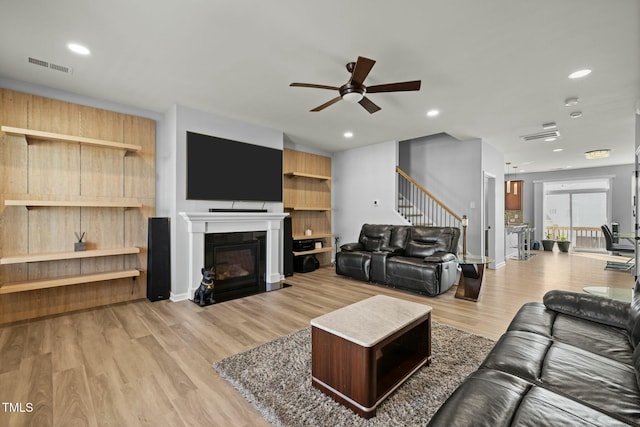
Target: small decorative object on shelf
{"x": 318, "y": 245}
{"x": 79, "y": 245}
{"x": 204, "y": 294}
{"x": 307, "y": 231}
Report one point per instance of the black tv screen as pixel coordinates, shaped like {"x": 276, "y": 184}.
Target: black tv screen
{"x": 221, "y": 169}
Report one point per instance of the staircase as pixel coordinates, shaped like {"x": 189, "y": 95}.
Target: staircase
{"x": 419, "y": 207}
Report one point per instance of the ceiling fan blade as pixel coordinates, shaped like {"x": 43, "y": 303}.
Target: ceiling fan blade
{"x": 361, "y": 70}
{"x": 369, "y": 105}
{"x": 314, "y": 86}
{"x": 326, "y": 104}
{"x": 395, "y": 87}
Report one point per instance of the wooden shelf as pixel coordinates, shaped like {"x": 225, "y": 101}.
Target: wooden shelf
{"x": 73, "y": 203}
{"x": 313, "y": 251}
{"x": 32, "y": 285}
{"x": 50, "y": 136}
{"x": 307, "y": 175}
{"x": 312, "y": 237}
{"x": 307, "y": 208}
{"x": 68, "y": 255}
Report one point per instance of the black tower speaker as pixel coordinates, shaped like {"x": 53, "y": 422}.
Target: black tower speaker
{"x": 287, "y": 247}
{"x": 158, "y": 260}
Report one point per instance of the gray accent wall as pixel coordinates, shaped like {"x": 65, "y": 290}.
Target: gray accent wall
{"x": 452, "y": 170}
{"x": 171, "y": 177}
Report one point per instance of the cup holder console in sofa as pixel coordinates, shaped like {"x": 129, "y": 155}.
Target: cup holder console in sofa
{"x": 419, "y": 259}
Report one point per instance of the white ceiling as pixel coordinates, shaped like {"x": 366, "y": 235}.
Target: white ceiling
{"x": 496, "y": 69}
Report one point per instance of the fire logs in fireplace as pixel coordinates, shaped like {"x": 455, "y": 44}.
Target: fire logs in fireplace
{"x": 239, "y": 260}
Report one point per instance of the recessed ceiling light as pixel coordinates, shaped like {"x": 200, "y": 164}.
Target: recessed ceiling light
{"x": 550, "y": 125}
{"x": 557, "y": 150}
{"x": 570, "y": 102}
{"x": 597, "y": 154}
{"x": 79, "y": 49}
{"x": 576, "y": 114}
{"x": 580, "y": 73}
{"x": 433, "y": 113}
{"x": 348, "y": 134}
{"x": 551, "y": 139}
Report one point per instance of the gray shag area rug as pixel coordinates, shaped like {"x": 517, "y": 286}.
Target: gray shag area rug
{"x": 276, "y": 379}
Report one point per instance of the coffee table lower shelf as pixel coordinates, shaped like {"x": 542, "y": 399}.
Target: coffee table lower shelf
{"x": 362, "y": 377}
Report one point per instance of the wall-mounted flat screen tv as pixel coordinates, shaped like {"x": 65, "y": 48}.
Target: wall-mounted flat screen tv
{"x": 222, "y": 169}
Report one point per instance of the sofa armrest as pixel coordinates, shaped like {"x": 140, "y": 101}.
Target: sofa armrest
{"x": 595, "y": 308}
{"x": 440, "y": 257}
{"x": 351, "y": 247}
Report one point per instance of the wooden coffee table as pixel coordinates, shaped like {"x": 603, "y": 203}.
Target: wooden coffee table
{"x": 361, "y": 353}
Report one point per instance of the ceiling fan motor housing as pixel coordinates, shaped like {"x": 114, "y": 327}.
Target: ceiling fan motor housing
{"x": 352, "y": 93}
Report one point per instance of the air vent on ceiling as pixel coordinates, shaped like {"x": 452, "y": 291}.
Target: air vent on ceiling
{"x": 50, "y": 65}
{"x": 541, "y": 136}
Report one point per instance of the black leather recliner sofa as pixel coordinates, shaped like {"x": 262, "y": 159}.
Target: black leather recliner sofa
{"x": 419, "y": 259}
{"x": 573, "y": 360}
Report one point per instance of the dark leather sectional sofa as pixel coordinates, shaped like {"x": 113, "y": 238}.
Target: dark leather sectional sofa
{"x": 419, "y": 259}
{"x": 573, "y": 360}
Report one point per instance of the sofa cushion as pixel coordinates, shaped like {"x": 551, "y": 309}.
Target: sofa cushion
{"x": 590, "y": 307}
{"x": 414, "y": 275}
{"x": 425, "y": 241}
{"x": 596, "y": 380}
{"x": 633, "y": 322}
{"x": 354, "y": 264}
{"x": 398, "y": 239}
{"x": 605, "y": 340}
{"x": 493, "y": 398}
{"x": 374, "y": 237}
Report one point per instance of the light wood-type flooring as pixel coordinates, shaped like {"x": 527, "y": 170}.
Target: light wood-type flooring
{"x": 143, "y": 363}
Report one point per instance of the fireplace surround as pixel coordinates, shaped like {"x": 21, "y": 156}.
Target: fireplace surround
{"x": 199, "y": 224}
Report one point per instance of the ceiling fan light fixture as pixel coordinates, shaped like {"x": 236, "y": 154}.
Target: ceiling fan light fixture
{"x": 353, "y": 97}
{"x": 597, "y": 154}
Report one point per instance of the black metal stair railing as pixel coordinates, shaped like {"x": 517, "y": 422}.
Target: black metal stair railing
{"x": 420, "y": 207}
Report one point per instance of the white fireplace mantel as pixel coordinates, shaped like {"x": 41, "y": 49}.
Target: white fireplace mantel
{"x": 201, "y": 223}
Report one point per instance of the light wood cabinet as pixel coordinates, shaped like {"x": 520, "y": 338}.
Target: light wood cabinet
{"x": 66, "y": 169}
{"x": 307, "y": 198}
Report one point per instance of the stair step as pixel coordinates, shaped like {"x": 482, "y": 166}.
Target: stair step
{"x": 413, "y": 215}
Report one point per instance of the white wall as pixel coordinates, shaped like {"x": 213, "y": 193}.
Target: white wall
{"x": 359, "y": 177}
{"x": 171, "y": 179}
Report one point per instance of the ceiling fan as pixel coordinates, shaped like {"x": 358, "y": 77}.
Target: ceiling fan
{"x": 354, "y": 90}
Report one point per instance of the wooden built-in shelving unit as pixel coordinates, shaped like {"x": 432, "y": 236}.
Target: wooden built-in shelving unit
{"x": 32, "y": 285}
{"x": 31, "y": 134}
{"x": 92, "y": 253}
{"x": 74, "y": 203}
{"x": 307, "y": 175}
{"x": 76, "y": 169}
{"x": 307, "y": 198}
